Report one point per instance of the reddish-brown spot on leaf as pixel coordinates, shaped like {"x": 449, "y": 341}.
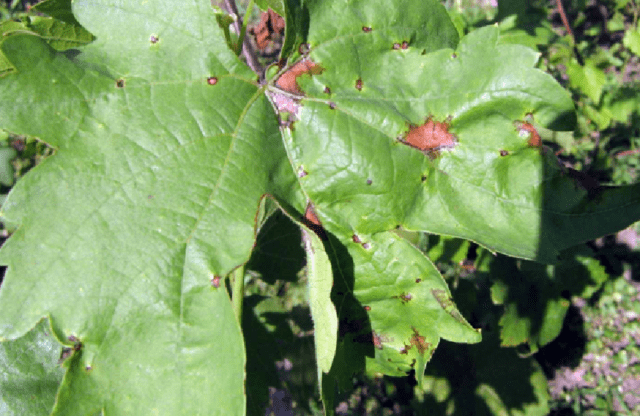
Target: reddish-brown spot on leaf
{"x": 359, "y": 84}
{"x": 313, "y": 222}
{"x": 503, "y": 153}
{"x": 215, "y": 281}
{"x": 405, "y": 45}
{"x": 356, "y": 239}
{"x": 396, "y": 46}
{"x": 327, "y": 90}
{"x": 527, "y": 128}
{"x": 419, "y": 341}
{"x": 405, "y": 349}
{"x": 405, "y": 297}
{"x": 443, "y": 298}
{"x": 288, "y": 80}
{"x": 310, "y": 215}
{"x": 332, "y": 105}
{"x": 271, "y": 24}
{"x": 367, "y": 308}
{"x": 212, "y": 80}
{"x": 377, "y": 340}
{"x": 430, "y": 136}
{"x": 366, "y": 29}
{"x": 418, "y": 280}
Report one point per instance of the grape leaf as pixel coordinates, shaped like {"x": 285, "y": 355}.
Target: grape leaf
{"x": 29, "y": 373}
{"x": 362, "y": 177}
{"x": 146, "y": 200}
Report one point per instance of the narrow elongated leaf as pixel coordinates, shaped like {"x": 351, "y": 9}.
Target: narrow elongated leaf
{"x": 325, "y": 319}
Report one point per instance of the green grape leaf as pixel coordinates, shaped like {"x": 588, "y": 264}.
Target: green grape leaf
{"x": 148, "y": 201}
{"x": 325, "y": 318}
{"x": 58, "y": 9}
{"x": 353, "y": 125}
{"x": 29, "y": 373}
{"x": 276, "y": 5}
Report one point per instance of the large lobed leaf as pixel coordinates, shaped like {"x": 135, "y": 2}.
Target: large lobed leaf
{"x": 492, "y": 187}
{"x": 153, "y": 192}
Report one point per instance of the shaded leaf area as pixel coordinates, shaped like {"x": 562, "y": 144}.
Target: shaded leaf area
{"x": 483, "y": 379}
{"x": 277, "y": 324}
{"x": 362, "y": 177}
{"x": 30, "y": 373}
{"x": 536, "y": 297}
{"x": 165, "y": 147}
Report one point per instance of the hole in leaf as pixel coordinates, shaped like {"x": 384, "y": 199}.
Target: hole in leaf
{"x": 88, "y": 368}
{"x": 405, "y": 45}
{"x": 504, "y": 153}
{"x": 356, "y": 239}
{"x": 396, "y": 46}
{"x": 332, "y": 105}
{"x": 359, "y": 84}
{"x": 369, "y": 181}
{"x": 366, "y": 246}
{"x": 327, "y": 90}
{"x": 454, "y": 56}
{"x": 120, "y": 83}
{"x": 367, "y": 308}
{"x": 212, "y": 80}
{"x": 301, "y": 172}
{"x": 366, "y": 29}
{"x": 153, "y": 39}
{"x": 423, "y": 178}
{"x": 418, "y": 280}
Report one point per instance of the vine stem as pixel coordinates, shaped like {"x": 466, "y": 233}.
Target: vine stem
{"x": 247, "y": 49}
{"x": 565, "y": 22}
{"x": 237, "y": 292}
